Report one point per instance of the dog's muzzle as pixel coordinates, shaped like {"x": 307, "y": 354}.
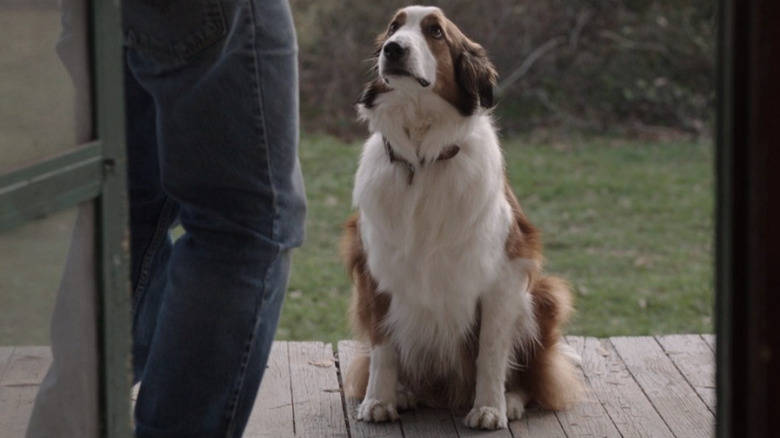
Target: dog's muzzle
{"x": 396, "y": 59}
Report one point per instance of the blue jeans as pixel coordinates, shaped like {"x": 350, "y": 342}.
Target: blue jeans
{"x": 212, "y": 135}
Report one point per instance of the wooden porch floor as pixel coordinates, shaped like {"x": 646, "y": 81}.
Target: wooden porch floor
{"x": 637, "y": 386}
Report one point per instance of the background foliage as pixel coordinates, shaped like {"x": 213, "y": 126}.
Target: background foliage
{"x": 637, "y": 67}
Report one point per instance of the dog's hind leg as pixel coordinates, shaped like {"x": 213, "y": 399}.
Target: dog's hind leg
{"x": 515, "y": 404}
{"x": 405, "y": 398}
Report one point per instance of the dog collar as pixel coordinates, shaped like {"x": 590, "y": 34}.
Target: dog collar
{"x": 448, "y": 153}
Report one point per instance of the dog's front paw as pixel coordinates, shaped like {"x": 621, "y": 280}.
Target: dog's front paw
{"x": 486, "y": 418}
{"x": 376, "y": 411}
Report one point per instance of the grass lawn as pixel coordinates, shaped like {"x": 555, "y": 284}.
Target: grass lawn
{"x": 628, "y": 223}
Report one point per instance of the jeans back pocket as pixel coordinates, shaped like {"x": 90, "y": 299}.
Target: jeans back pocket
{"x": 170, "y": 32}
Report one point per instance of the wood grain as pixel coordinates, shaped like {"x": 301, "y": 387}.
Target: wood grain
{"x": 316, "y": 392}
{"x": 588, "y": 417}
{"x": 696, "y": 361}
{"x": 622, "y": 398}
{"x": 710, "y": 340}
{"x": 272, "y": 414}
{"x": 537, "y": 423}
{"x": 671, "y": 394}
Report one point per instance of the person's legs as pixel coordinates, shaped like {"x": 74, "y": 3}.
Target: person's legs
{"x": 152, "y": 213}
{"x": 222, "y": 78}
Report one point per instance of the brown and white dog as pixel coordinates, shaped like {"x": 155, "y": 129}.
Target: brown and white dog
{"x": 449, "y": 291}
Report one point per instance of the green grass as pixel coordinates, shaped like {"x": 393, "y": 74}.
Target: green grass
{"x": 628, "y": 223}
{"x": 319, "y": 288}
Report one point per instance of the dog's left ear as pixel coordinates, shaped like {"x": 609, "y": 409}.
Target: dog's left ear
{"x": 371, "y": 91}
{"x": 376, "y": 86}
{"x": 476, "y": 77}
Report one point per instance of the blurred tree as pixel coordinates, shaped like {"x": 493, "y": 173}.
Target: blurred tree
{"x": 639, "y": 67}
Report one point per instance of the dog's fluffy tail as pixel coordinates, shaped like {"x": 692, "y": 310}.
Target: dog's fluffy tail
{"x": 551, "y": 376}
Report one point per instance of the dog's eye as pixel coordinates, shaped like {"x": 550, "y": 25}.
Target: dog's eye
{"x": 435, "y": 31}
{"x": 393, "y": 27}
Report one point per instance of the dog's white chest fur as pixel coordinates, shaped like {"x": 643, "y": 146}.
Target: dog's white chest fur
{"x": 431, "y": 242}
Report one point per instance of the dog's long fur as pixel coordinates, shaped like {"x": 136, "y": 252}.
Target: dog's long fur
{"x": 449, "y": 296}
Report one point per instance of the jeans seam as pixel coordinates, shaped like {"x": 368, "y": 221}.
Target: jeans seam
{"x": 259, "y": 100}
{"x": 233, "y": 406}
{"x": 160, "y": 232}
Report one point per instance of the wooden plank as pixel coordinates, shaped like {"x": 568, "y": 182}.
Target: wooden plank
{"x": 18, "y": 386}
{"x": 272, "y": 414}
{"x": 677, "y": 402}
{"x": 587, "y": 417}
{"x": 316, "y": 394}
{"x": 347, "y": 351}
{"x": 622, "y": 398}
{"x": 537, "y": 423}
{"x": 710, "y": 340}
{"x": 696, "y": 361}
{"x": 424, "y": 422}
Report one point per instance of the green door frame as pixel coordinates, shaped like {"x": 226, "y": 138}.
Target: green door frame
{"x": 112, "y": 219}
{"x": 93, "y": 171}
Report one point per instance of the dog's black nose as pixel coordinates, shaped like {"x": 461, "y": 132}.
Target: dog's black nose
{"x": 393, "y": 51}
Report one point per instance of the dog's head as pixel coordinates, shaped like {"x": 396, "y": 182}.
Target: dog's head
{"x": 424, "y": 51}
